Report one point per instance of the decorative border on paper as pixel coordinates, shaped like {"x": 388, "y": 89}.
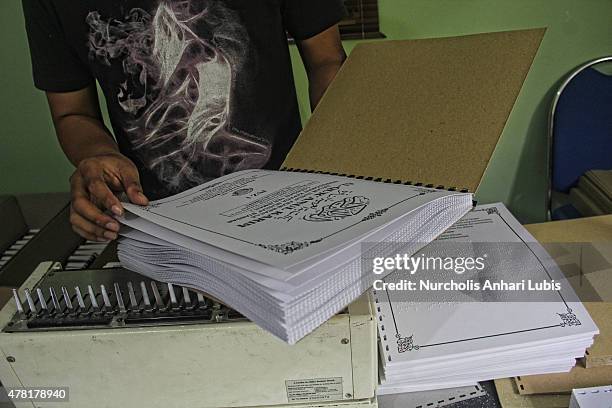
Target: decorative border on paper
{"x": 568, "y": 319}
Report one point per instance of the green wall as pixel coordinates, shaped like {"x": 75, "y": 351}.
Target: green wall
{"x": 30, "y": 157}
{"x": 578, "y": 30}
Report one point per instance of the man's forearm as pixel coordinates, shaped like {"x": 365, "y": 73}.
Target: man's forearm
{"x": 82, "y": 137}
{"x": 78, "y": 124}
{"x": 323, "y": 56}
{"x": 319, "y": 79}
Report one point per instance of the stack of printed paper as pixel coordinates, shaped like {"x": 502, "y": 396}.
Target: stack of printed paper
{"x": 282, "y": 248}
{"x": 501, "y": 308}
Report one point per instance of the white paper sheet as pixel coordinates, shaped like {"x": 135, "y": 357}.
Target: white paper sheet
{"x": 282, "y": 248}
{"x": 284, "y": 218}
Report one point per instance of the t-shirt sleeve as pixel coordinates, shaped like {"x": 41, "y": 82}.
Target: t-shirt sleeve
{"x": 55, "y": 65}
{"x": 306, "y": 18}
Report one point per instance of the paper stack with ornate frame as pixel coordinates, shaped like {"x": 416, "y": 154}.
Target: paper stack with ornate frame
{"x": 516, "y": 315}
{"x": 282, "y": 248}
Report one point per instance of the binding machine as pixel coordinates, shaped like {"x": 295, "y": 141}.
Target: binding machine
{"x": 109, "y": 298}
{"x": 116, "y": 338}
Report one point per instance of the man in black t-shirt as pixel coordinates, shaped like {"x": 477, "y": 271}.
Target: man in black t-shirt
{"x": 195, "y": 89}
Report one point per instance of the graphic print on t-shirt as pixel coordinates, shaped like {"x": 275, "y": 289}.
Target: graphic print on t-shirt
{"x": 180, "y": 62}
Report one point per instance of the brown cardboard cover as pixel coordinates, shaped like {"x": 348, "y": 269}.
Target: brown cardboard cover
{"x": 596, "y": 275}
{"x": 590, "y": 229}
{"x": 509, "y": 397}
{"x": 427, "y": 110}
{"x": 599, "y": 355}
{"x": 578, "y": 377}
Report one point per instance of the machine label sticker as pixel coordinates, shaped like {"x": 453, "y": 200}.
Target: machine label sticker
{"x": 314, "y": 389}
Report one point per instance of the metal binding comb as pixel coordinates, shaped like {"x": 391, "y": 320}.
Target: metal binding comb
{"x": 52, "y": 305}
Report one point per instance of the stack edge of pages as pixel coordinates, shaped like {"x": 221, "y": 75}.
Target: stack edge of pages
{"x": 282, "y": 248}
{"x": 481, "y": 334}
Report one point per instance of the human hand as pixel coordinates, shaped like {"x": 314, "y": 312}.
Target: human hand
{"x": 93, "y": 186}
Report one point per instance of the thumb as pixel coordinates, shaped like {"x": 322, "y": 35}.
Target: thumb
{"x": 131, "y": 185}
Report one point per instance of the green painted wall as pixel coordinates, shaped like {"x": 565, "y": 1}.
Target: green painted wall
{"x": 30, "y": 157}
{"x": 578, "y": 30}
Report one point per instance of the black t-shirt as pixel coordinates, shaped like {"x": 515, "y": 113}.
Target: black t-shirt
{"x": 195, "y": 88}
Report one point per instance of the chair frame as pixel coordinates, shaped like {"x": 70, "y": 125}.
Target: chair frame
{"x": 551, "y": 123}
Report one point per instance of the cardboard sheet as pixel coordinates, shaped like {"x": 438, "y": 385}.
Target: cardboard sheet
{"x": 579, "y": 377}
{"x": 583, "y": 250}
{"x": 510, "y": 398}
{"x": 426, "y": 110}
{"x": 592, "y": 229}
{"x": 600, "y": 353}
{"x": 597, "y": 230}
